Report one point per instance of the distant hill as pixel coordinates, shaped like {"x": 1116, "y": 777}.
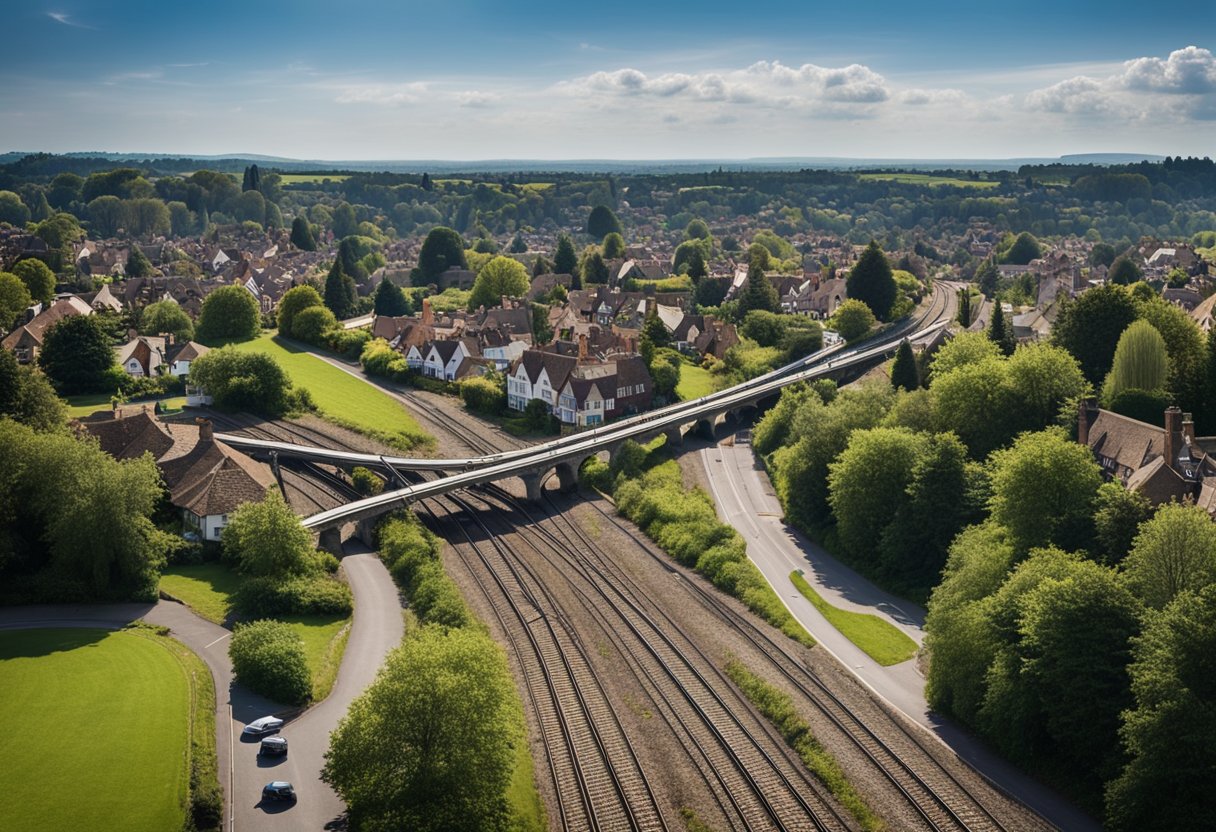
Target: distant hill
{"x": 235, "y": 161}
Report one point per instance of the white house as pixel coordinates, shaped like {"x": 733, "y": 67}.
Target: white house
{"x": 444, "y": 359}
{"x": 538, "y": 375}
{"x": 180, "y": 363}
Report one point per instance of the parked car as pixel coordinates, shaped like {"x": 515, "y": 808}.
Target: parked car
{"x": 273, "y": 747}
{"x": 279, "y": 790}
{"x": 263, "y": 726}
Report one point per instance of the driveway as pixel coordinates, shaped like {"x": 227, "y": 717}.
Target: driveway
{"x": 746, "y": 500}
{"x": 376, "y": 629}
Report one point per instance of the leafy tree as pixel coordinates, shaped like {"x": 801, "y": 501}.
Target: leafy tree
{"x": 1043, "y": 490}
{"x": 655, "y": 332}
{"x": 518, "y": 246}
{"x": 499, "y": 278}
{"x": 1140, "y": 362}
{"x": 697, "y": 230}
{"x": 1000, "y": 332}
{"x": 13, "y": 210}
{"x": 592, "y": 268}
{"x": 431, "y": 744}
{"x": 1174, "y": 552}
{"x": 964, "y": 307}
{"x": 904, "y": 373}
{"x": 341, "y": 296}
{"x": 1024, "y": 249}
{"x": 77, "y": 356}
{"x": 565, "y": 261}
{"x": 987, "y": 277}
{"x": 14, "y": 300}
{"x": 311, "y": 324}
{"x": 853, "y": 320}
{"x": 964, "y": 348}
{"x": 1090, "y": 326}
{"x": 27, "y": 397}
{"x": 243, "y": 381}
{"x": 268, "y": 658}
{"x": 1186, "y": 348}
{"x": 1124, "y": 271}
{"x": 442, "y": 249}
{"x": 1118, "y": 513}
{"x": 38, "y": 278}
{"x": 59, "y": 232}
{"x": 266, "y": 538}
{"x": 602, "y": 222}
{"x": 757, "y": 255}
{"x": 390, "y": 300}
{"x": 1102, "y": 254}
{"x": 345, "y": 223}
{"x": 294, "y": 301}
{"x": 614, "y": 246}
{"x": 871, "y": 281}
{"x": 138, "y": 264}
{"x": 1170, "y": 734}
{"x": 228, "y": 312}
{"x": 768, "y": 329}
{"x": 301, "y": 234}
{"x": 757, "y": 292}
{"x": 1047, "y": 383}
{"x": 166, "y": 316}
{"x": 666, "y": 373}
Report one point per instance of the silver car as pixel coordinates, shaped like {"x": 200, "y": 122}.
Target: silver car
{"x": 263, "y": 726}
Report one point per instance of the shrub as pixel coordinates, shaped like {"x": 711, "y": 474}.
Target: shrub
{"x": 309, "y": 325}
{"x": 302, "y": 595}
{"x": 412, "y": 555}
{"x": 854, "y": 320}
{"x": 347, "y": 342}
{"x": 268, "y": 658}
{"x": 365, "y": 482}
{"x": 483, "y": 394}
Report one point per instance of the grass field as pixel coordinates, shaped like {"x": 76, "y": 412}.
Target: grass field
{"x": 695, "y": 382}
{"x": 81, "y": 406}
{"x": 324, "y": 639}
{"x": 96, "y": 728}
{"x": 312, "y": 178}
{"x": 928, "y": 179}
{"x": 880, "y": 640}
{"x": 343, "y": 399}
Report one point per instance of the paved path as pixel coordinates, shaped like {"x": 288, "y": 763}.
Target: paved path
{"x": 377, "y": 628}
{"x": 746, "y": 500}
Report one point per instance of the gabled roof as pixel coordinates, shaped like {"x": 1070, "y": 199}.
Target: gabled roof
{"x": 1128, "y": 442}
{"x": 557, "y": 367}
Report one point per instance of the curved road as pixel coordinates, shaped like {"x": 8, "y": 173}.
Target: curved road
{"x": 377, "y": 628}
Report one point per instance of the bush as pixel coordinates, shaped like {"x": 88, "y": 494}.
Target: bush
{"x": 411, "y": 553}
{"x": 309, "y": 325}
{"x": 304, "y": 595}
{"x": 483, "y": 394}
{"x": 365, "y": 482}
{"x": 268, "y": 658}
{"x": 854, "y": 320}
{"x": 347, "y": 342}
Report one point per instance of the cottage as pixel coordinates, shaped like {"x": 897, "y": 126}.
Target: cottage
{"x": 25, "y": 341}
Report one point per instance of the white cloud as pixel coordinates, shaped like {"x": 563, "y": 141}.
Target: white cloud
{"x": 475, "y": 98}
{"x": 66, "y": 20}
{"x": 1075, "y": 95}
{"x": 1189, "y": 71}
{"x": 390, "y": 95}
{"x": 919, "y": 97}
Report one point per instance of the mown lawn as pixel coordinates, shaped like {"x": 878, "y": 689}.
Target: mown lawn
{"x": 206, "y": 588}
{"x": 882, "y": 641}
{"x": 928, "y": 179}
{"x": 342, "y": 398}
{"x": 96, "y": 726}
{"x": 81, "y": 406}
{"x": 324, "y": 639}
{"x": 695, "y": 382}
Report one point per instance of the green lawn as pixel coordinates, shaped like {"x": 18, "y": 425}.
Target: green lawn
{"x": 695, "y": 382}
{"x": 928, "y": 179}
{"x": 206, "y": 588}
{"x": 527, "y": 809}
{"x": 342, "y": 398}
{"x": 96, "y": 729}
{"x": 881, "y": 640}
{"x": 81, "y": 406}
{"x": 324, "y": 639}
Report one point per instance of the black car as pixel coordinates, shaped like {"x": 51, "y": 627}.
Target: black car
{"x": 273, "y": 747}
{"x": 279, "y": 790}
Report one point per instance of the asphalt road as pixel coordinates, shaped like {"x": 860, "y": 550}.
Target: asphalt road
{"x": 376, "y": 629}
{"x": 746, "y": 500}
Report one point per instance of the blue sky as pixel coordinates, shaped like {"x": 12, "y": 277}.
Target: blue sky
{"x": 479, "y": 80}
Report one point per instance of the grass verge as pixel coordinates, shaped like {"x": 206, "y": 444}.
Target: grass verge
{"x": 695, "y": 382}
{"x": 324, "y": 638}
{"x": 119, "y": 704}
{"x": 882, "y": 641}
{"x": 206, "y": 588}
{"x": 342, "y": 398}
{"x": 779, "y": 710}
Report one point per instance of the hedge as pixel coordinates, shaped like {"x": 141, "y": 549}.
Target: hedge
{"x": 268, "y": 658}
{"x": 300, "y": 595}
{"x": 411, "y": 554}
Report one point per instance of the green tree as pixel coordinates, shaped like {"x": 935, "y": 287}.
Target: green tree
{"x": 301, "y": 234}
{"x": 964, "y": 348}
{"x": 266, "y": 538}
{"x": 268, "y": 658}
{"x": 341, "y": 296}
{"x": 38, "y": 278}
{"x": 964, "y": 307}
{"x": 1024, "y": 249}
{"x": 27, "y": 397}
{"x": 601, "y": 222}
{"x": 853, "y": 320}
{"x": 390, "y": 300}
{"x": 499, "y": 278}
{"x": 1102, "y": 254}
{"x": 1170, "y": 733}
{"x": 1046, "y": 383}
{"x": 1118, "y": 513}
{"x": 60, "y": 233}
{"x": 592, "y": 268}
{"x": 757, "y": 292}
{"x": 978, "y": 403}
{"x": 987, "y": 277}
{"x": 614, "y": 246}
{"x": 872, "y": 282}
{"x": 1124, "y": 271}
{"x": 1174, "y": 552}
{"x": 904, "y": 373}
{"x": 1186, "y": 348}
{"x": 243, "y": 381}
{"x": 518, "y": 246}
{"x": 77, "y": 356}
{"x": 431, "y": 744}
{"x": 229, "y": 312}
{"x": 311, "y": 324}
{"x": 138, "y": 264}
{"x": 565, "y": 261}
{"x": 442, "y": 249}
{"x": 1000, "y": 332}
{"x": 14, "y": 300}
{"x": 697, "y": 230}
{"x": 1090, "y": 326}
{"x": 345, "y": 223}
{"x": 294, "y": 301}
{"x": 166, "y": 316}
{"x": 1140, "y": 362}
{"x": 1043, "y": 490}
{"x": 13, "y": 210}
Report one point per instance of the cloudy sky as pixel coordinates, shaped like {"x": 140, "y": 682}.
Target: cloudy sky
{"x": 467, "y": 79}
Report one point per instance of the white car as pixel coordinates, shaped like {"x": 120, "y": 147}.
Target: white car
{"x": 263, "y": 726}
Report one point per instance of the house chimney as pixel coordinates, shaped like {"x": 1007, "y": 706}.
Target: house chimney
{"x": 1083, "y": 421}
{"x": 428, "y": 317}
{"x": 1173, "y": 434}
{"x": 582, "y": 347}
{"x": 205, "y": 433}
{"x": 1188, "y": 429}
